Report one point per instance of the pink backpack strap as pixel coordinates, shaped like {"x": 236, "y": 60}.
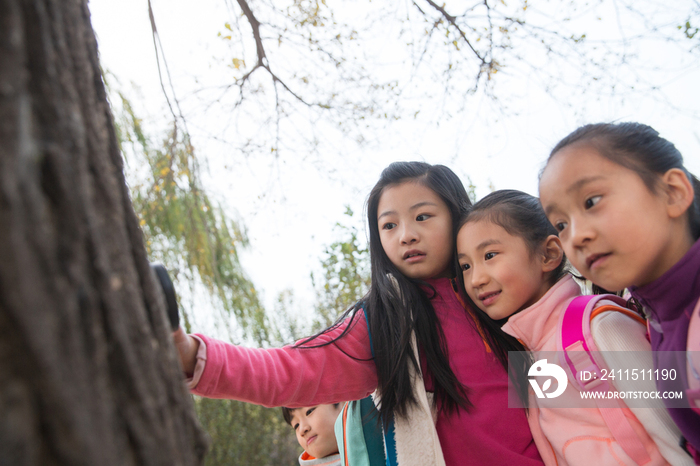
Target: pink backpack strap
{"x": 693, "y": 360}
{"x": 577, "y": 350}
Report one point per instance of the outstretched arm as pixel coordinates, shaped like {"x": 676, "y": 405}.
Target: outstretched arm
{"x": 290, "y": 376}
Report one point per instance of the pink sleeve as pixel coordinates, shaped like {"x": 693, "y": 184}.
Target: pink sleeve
{"x": 289, "y": 376}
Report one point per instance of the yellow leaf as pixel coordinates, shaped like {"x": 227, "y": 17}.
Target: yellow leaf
{"x": 228, "y": 26}
{"x": 237, "y": 63}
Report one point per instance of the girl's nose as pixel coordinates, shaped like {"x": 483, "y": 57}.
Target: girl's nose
{"x": 304, "y": 427}
{"x": 479, "y": 278}
{"x": 408, "y": 235}
{"x": 580, "y": 232}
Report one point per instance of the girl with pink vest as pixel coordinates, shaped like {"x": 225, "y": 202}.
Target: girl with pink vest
{"x": 513, "y": 268}
{"x": 628, "y": 215}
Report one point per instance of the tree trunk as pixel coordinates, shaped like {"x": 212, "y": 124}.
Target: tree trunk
{"x": 89, "y": 374}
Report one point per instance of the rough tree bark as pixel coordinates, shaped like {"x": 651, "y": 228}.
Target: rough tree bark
{"x": 89, "y": 374}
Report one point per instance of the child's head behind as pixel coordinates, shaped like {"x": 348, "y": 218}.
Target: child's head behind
{"x": 625, "y": 207}
{"x": 508, "y": 252}
{"x": 314, "y": 428}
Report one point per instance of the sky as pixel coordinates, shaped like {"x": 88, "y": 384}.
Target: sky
{"x": 290, "y": 203}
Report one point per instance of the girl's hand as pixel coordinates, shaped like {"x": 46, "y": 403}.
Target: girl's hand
{"x": 187, "y": 348}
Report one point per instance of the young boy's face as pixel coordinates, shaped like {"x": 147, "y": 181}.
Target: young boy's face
{"x": 314, "y": 429}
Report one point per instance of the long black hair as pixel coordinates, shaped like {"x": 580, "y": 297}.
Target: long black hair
{"x": 639, "y": 148}
{"x": 391, "y": 321}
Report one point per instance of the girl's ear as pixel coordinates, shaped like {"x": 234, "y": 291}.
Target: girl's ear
{"x": 679, "y": 191}
{"x": 553, "y": 253}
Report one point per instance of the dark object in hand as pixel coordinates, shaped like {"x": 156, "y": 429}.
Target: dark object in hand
{"x": 169, "y": 291}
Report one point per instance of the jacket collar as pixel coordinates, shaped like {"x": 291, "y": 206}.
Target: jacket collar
{"x": 534, "y": 325}
{"x": 667, "y": 297}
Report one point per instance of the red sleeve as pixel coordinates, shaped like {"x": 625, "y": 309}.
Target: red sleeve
{"x": 292, "y": 376}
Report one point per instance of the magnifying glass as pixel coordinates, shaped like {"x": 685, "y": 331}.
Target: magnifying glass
{"x": 169, "y": 290}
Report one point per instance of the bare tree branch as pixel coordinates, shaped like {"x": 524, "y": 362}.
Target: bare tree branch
{"x": 453, "y": 21}
{"x": 255, "y": 25}
{"x": 262, "y": 61}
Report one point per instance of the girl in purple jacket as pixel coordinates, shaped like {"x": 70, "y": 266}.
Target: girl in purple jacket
{"x": 628, "y": 215}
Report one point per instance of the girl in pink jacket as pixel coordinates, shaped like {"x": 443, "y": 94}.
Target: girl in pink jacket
{"x": 410, "y": 339}
{"x": 514, "y": 270}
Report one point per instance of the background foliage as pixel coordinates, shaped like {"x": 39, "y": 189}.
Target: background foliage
{"x": 300, "y": 82}
{"x": 199, "y": 245}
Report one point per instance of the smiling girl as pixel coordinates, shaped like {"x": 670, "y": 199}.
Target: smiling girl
{"x": 514, "y": 269}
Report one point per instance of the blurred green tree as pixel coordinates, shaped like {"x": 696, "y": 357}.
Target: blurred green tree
{"x": 183, "y": 227}
{"x": 246, "y": 434}
{"x": 345, "y": 275}
{"x": 199, "y": 244}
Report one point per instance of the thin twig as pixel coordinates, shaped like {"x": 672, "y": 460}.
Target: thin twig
{"x": 158, "y": 44}
{"x": 453, "y": 21}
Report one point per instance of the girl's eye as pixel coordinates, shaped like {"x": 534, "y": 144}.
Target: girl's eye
{"x": 490, "y": 255}
{"x": 591, "y": 201}
{"x": 423, "y": 217}
{"x": 465, "y": 267}
{"x": 388, "y": 226}
{"x": 560, "y": 226}
{"x": 296, "y": 426}
{"x": 310, "y": 411}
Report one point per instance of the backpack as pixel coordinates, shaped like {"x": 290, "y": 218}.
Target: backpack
{"x": 362, "y": 441}
{"x": 578, "y": 353}
{"x": 359, "y": 434}
{"x": 692, "y": 393}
